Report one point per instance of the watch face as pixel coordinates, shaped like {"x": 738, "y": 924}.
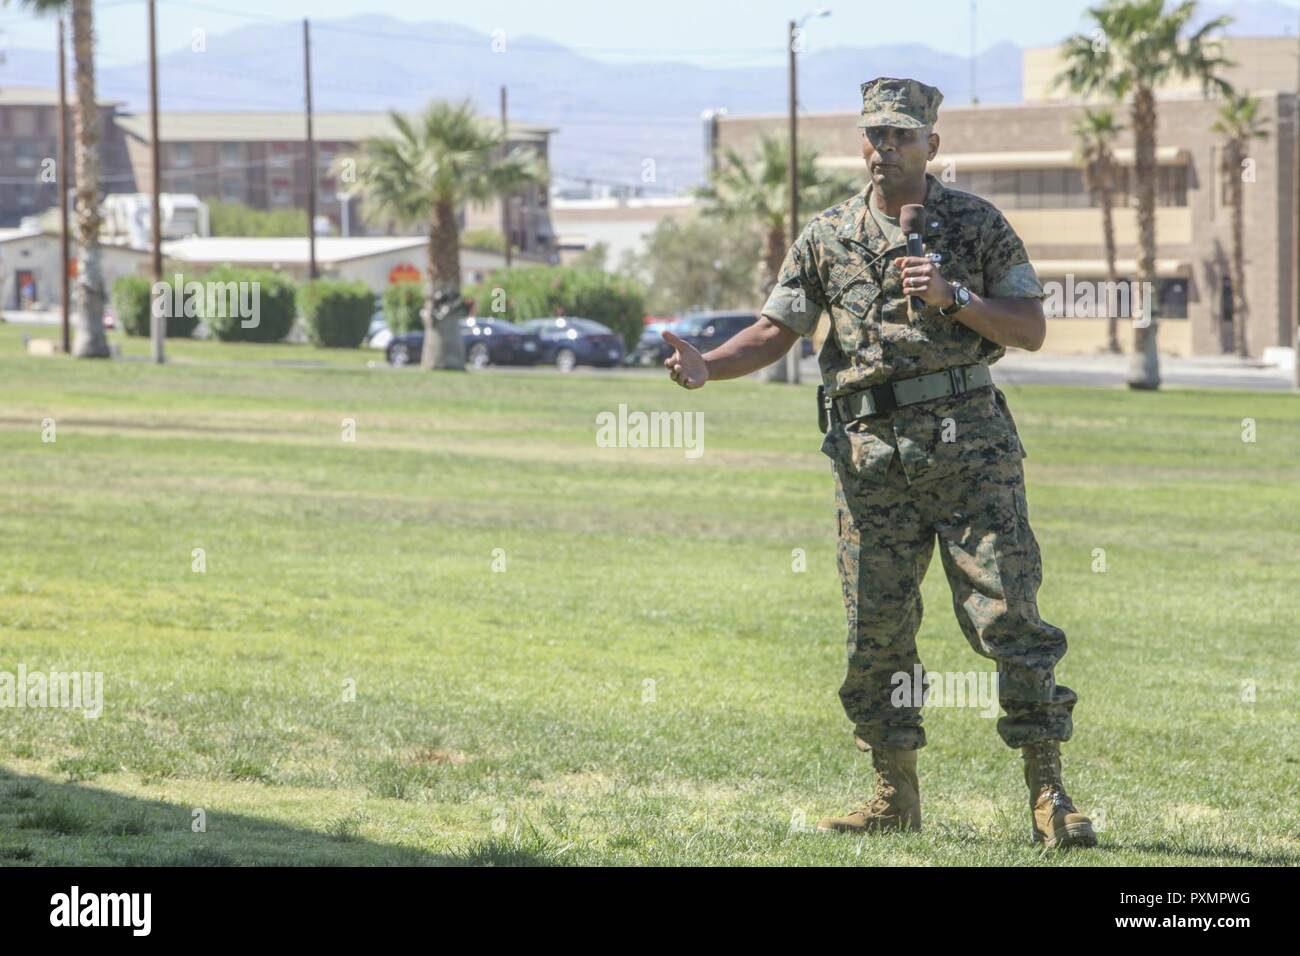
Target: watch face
{"x": 962, "y": 295}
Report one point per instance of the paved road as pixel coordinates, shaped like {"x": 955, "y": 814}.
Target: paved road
{"x": 1036, "y": 368}
{"x": 1218, "y": 371}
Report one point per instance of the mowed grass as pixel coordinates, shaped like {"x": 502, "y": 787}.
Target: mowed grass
{"x": 647, "y": 681}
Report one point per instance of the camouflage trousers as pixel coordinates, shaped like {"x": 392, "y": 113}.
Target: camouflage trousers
{"x": 980, "y": 519}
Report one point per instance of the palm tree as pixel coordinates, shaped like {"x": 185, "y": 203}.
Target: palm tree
{"x": 1096, "y": 132}
{"x": 756, "y": 194}
{"x": 423, "y": 175}
{"x": 1238, "y": 123}
{"x": 88, "y": 315}
{"x": 1139, "y": 46}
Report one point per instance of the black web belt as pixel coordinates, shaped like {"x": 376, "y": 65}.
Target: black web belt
{"x": 888, "y": 396}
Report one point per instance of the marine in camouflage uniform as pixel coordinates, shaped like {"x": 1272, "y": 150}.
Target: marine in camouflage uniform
{"x": 946, "y": 471}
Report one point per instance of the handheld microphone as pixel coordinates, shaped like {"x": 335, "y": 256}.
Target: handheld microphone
{"x": 911, "y": 219}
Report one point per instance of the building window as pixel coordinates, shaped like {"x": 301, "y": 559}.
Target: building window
{"x": 1074, "y": 195}
{"x": 1171, "y": 186}
{"x": 182, "y": 154}
{"x": 25, "y": 155}
{"x": 27, "y": 198}
{"x": 231, "y": 153}
{"x": 1063, "y": 187}
{"x": 232, "y": 190}
{"x": 182, "y": 184}
{"x": 1171, "y": 299}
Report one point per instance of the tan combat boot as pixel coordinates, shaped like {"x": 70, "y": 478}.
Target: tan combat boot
{"x": 1056, "y": 822}
{"x": 895, "y": 804}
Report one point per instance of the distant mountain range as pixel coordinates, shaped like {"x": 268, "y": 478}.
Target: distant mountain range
{"x": 608, "y": 117}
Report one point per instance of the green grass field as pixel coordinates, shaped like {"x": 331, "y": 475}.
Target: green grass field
{"x": 647, "y": 681}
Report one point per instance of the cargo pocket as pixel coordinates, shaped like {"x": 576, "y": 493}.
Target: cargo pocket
{"x": 1024, "y": 567}
{"x": 1011, "y": 422}
{"x": 851, "y": 296}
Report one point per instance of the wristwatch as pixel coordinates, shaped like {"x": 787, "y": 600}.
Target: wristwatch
{"x": 960, "y": 299}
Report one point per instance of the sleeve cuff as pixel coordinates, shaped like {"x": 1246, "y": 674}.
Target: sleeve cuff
{"x": 793, "y": 309}
{"x": 1018, "y": 282}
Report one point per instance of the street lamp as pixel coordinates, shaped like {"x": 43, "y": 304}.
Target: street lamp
{"x": 795, "y": 354}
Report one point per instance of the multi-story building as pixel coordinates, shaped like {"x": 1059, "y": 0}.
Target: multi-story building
{"x": 29, "y": 134}
{"x": 1022, "y": 157}
{"x": 256, "y": 159}
{"x": 260, "y": 160}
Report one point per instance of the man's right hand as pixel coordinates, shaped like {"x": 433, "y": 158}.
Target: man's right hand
{"x": 686, "y": 366}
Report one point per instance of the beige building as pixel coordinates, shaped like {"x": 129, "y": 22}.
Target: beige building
{"x": 620, "y": 224}
{"x": 1021, "y": 157}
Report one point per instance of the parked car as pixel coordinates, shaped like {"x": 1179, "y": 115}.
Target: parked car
{"x": 486, "y": 342}
{"x": 569, "y": 342}
{"x": 704, "y": 330}
{"x": 379, "y": 334}
{"x": 651, "y": 349}
{"x": 708, "y": 330}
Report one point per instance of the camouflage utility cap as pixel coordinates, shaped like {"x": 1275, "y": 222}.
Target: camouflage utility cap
{"x": 908, "y": 104}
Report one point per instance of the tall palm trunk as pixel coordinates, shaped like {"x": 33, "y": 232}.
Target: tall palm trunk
{"x": 774, "y": 241}
{"x": 1104, "y": 172}
{"x": 1144, "y": 370}
{"x": 89, "y": 341}
{"x": 442, "y": 345}
{"x": 1232, "y": 161}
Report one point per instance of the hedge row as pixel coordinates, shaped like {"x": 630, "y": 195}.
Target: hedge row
{"x": 259, "y": 305}
{"x": 246, "y": 305}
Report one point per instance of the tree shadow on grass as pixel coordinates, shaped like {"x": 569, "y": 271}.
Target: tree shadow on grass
{"x": 66, "y": 824}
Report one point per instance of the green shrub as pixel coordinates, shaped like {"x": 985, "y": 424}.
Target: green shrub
{"x": 272, "y": 300}
{"x": 402, "y": 304}
{"x": 336, "y": 314}
{"x": 133, "y": 304}
{"x": 535, "y": 293}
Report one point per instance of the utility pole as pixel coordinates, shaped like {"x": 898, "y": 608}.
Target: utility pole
{"x": 157, "y": 323}
{"x": 793, "y": 357}
{"x": 311, "y": 154}
{"x": 505, "y": 199}
{"x": 62, "y": 180}
{"x": 974, "y": 15}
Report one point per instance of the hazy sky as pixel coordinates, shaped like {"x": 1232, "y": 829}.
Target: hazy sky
{"x": 707, "y": 32}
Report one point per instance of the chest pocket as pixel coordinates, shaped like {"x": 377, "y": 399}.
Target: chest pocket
{"x": 852, "y": 291}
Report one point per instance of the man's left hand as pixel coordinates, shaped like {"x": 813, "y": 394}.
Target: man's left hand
{"x": 921, "y": 278}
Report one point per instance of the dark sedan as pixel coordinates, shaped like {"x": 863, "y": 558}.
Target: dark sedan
{"x": 651, "y": 349}
{"x": 486, "y": 342}
{"x": 570, "y": 342}
{"x": 704, "y": 330}
{"x": 708, "y": 330}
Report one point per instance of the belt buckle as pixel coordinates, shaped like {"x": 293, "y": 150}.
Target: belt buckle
{"x": 884, "y": 388}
